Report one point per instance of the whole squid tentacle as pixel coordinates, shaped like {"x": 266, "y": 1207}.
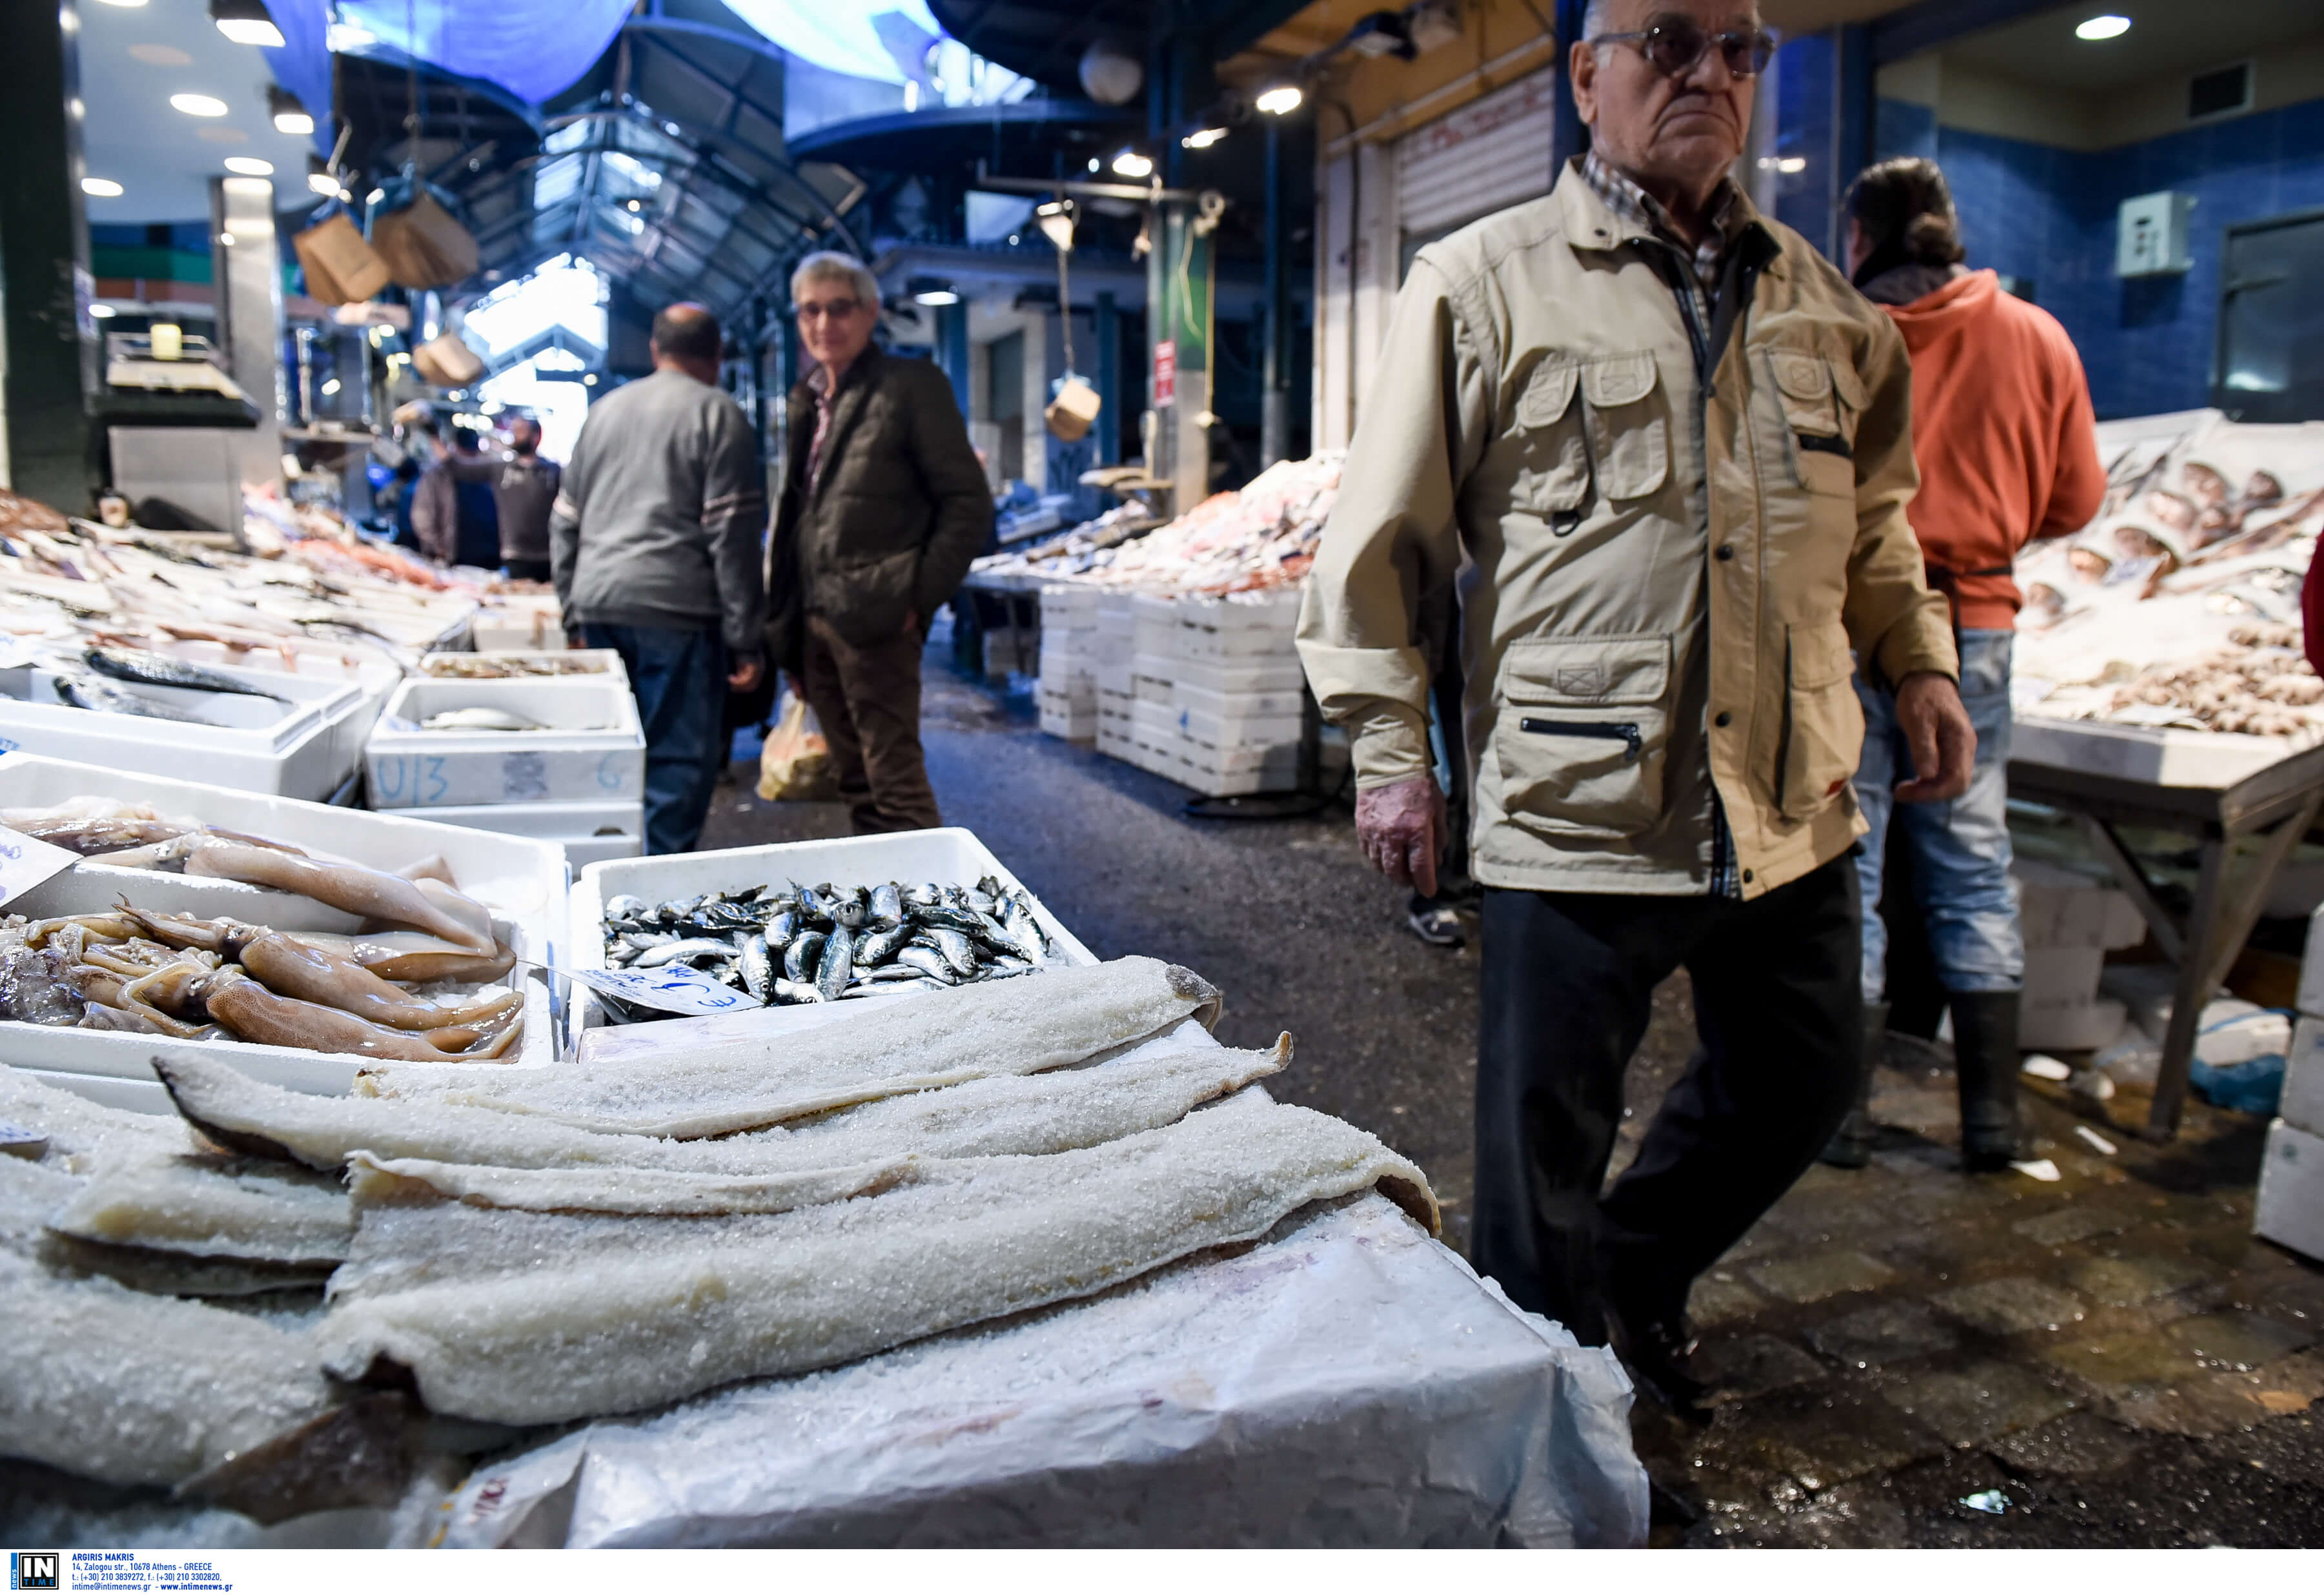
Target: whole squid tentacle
{"x": 107, "y": 993}
{"x": 291, "y": 968}
{"x": 369, "y": 893}
{"x": 253, "y": 1013}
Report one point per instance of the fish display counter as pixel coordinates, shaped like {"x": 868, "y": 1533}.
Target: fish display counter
{"x": 1023, "y": 1257}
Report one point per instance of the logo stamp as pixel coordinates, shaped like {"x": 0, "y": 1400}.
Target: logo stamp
{"x": 35, "y": 1569}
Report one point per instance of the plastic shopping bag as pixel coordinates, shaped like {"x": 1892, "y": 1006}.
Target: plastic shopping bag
{"x": 795, "y": 761}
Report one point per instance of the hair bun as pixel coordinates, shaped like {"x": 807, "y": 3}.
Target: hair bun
{"x": 1933, "y": 240}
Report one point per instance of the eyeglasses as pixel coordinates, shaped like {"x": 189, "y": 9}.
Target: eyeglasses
{"x": 1673, "y": 47}
{"x": 835, "y": 310}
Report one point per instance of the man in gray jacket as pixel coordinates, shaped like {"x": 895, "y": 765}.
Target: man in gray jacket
{"x": 883, "y": 507}
{"x": 655, "y": 548}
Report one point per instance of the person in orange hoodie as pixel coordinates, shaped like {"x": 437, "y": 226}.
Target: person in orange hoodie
{"x": 2007, "y": 446}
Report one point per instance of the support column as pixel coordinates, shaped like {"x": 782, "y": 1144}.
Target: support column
{"x": 1107, "y": 329}
{"x": 48, "y": 340}
{"x": 951, "y": 350}
{"x": 1854, "y": 124}
{"x": 246, "y": 271}
{"x": 1572, "y": 137}
{"x": 1275, "y": 385}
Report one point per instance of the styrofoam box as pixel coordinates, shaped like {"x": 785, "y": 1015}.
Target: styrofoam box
{"x": 2292, "y": 1190}
{"x": 2304, "y": 1077}
{"x": 370, "y": 672}
{"x": 1238, "y": 628}
{"x": 950, "y": 855}
{"x": 588, "y": 832}
{"x": 580, "y": 664}
{"x": 596, "y": 754}
{"x": 2063, "y": 977}
{"x": 1154, "y": 719}
{"x": 1067, "y": 605}
{"x": 1239, "y": 676}
{"x": 1150, "y": 677}
{"x": 254, "y": 744}
{"x": 1239, "y": 775}
{"x": 1116, "y": 679}
{"x": 2063, "y": 908}
{"x": 2165, "y": 756}
{"x": 521, "y": 882}
{"x": 512, "y": 626}
{"x": 2312, "y": 967}
{"x": 1154, "y": 623}
{"x": 1217, "y": 730}
{"x": 2071, "y": 1027}
{"x": 131, "y": 1096}
{"x": 1069, "y": 723}
{"x": 1244, "y": 705}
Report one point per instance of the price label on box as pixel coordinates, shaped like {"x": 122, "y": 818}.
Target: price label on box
{"x": 27, "y": 861}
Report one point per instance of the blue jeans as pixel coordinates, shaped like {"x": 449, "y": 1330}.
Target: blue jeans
{"x": 679, "y": 676}
{"x": 1961, "y": 849}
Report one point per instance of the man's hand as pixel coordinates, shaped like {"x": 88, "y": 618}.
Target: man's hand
{"x": 1943, "y": 741}
{"x": 744, "y": 676}
{"x": 1401, "y": 829}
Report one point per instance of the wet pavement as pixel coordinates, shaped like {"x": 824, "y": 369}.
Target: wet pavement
{"x": 2107, "y": 1360}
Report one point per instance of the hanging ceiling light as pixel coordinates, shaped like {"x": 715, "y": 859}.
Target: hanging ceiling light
{"x": 1132, "y": 163}
{"x": 1202, "y": 138}
{"x": 100, "y": 187}
{"x": 1280, "y": 100}
{"x": 1056, "y": 223}
{"x": 290, "y": 114}
{"x": 935, "y": 296}
{"x": 245, "y": 21}
{"x": 199, "y": 105}
{"x": 249, "y": 166}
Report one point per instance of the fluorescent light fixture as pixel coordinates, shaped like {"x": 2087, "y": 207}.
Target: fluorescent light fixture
{"x": 1130, "y": 163}
{"x": 331, "y": 387}
{"x": 1095, "y": 164}
{"x": 225, "y": 240}
{"x": 1204, "y": 138}
{"x": 289, "y": 113}
{"x": 245, "y": 21}
{"x": 2105, "y": 25}
{"x": 1792, "y": 164}
{"x": 100, "y": 187}
{"x": 102, "y": 311}
{"x": 324, "y": 183}
{"x": 1280, "y": 100}
{"x": 249, "y": 166}
{"x": 936, "y": 296}
{"x": 199, "y": 105}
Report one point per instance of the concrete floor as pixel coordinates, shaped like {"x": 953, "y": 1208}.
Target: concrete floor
{"x": 2113, "y": 1353}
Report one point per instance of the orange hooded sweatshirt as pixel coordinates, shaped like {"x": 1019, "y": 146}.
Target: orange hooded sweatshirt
{"x": 2005, "y": 439}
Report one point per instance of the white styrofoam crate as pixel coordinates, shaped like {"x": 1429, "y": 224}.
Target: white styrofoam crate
{"x": 131, "y": 1096}
{"x": 1068, "y": 606}
{"x": 1237, "y": 731}
{"x": 1276, "y": 770}
{"x": 2063, "y": 977}
{"x": 2312, "y": 967}
{"x": 371, "y": 671}
{"x": 2291, "y": 1210}
{"x": 517, "y": 624}
{"x": 1249, "y": 706}
{"x": 2063, "y": 908}
{"x": 254, "y": 744}
{"x": 1150, "y": 677}
{"x": 579, "y": 663}
{"x": 522, "y": 882}
{"x": 1153, "y": 720}
{"x": 1239, "y": 676}
{"x": 948, "y": 856}
{"x": 2071, "y": 1027}
{"x": 1252, "y": 626}
{"x": 2165, "y": 756}
{"x": 588, "y": 832}
{"x": 1069, "y": 723}
{"x": 1116, "y": 679}
{"x": 1116, "y": 743}
{"x": 594, "y": 753}
{"x": 2302, "y": 1106}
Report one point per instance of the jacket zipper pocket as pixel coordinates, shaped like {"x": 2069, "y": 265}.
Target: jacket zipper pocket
{"x": 1625, "y": 731}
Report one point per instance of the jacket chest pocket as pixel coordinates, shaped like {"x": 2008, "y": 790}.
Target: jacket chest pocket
{"x": 1823, "y": 401}
{"x": 1581, "y": 727}
{"x": 1823, "y": 728}
{"x": 1619, "y": 437}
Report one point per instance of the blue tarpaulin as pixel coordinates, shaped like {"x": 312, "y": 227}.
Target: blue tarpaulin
{"x": 534, "y": 49}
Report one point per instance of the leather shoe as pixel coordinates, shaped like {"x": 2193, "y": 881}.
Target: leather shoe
{"x": 1658, "y": 1353}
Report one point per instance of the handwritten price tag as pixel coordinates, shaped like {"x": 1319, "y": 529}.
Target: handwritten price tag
{"x": 27, "y": 861}
{"x": 672, "y": 991}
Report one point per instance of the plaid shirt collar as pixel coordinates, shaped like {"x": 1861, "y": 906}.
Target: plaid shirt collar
{"x": 1728, "y": 220}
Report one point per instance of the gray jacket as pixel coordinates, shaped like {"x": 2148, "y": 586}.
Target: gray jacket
{"x": 662, "y": 515}
{"x": 525, "y": 487}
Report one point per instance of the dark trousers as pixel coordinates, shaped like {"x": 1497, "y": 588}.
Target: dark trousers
{"x": 679, "y": 676}
{"x": 526, "y": 570}
{"x": 869, "y": 702}
{"x": 1568, "y": 981}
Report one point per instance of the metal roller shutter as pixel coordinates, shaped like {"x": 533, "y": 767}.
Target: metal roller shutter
{"x": 1491, "y": 153}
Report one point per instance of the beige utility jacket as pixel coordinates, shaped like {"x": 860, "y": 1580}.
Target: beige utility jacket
{"x": 1662, "y": 584}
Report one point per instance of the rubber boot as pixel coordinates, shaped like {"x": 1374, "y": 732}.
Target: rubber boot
{"x": 1985, "y": 1058}
{"x": 1850, "y": 1146}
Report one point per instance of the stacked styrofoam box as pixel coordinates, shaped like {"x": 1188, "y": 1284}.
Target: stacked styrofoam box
{"x": 1236, "y": 687}
{"x": 580, "y": 782}
{"x": 2292, "y": 1170}
{"x": 2071, "y": 921}
{"x": 1068, "y": 689}
{"x": 1113, "y": 647}
{"x": 572, "y": 664}
{"x": 528, "y": 621}
{"x": 1011, "y": 650}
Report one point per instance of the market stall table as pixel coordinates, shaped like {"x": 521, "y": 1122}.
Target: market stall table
{"x": 2246, "y": 825}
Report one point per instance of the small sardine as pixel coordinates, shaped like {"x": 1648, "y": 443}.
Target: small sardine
{"x": 929, "y": 962}
{"x": 846, "y": 908}
{"x": 880, "y": 945}
{"x": 887, "y": 905}
{"x": 781, "y": 926}
{"x": 800, "y": 958}
{"x": 625, "y": 908}
{"x": 958, "y": 951}
{"x": 757, "y": 970}
{"x": 691, "y": 948}
{"x": 838, "y": 964}
{"x": 796, "y": 991}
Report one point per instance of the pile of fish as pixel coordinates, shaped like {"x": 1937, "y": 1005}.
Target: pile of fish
{"x": 189, "y": 978}
{"x": 503, "y": 667}
{"x": 821, "y": 944}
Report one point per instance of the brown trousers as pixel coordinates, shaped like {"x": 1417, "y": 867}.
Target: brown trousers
{"x": 869, "y": 702}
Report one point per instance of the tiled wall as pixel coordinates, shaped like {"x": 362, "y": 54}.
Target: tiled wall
{"x": 2048, "y": 215}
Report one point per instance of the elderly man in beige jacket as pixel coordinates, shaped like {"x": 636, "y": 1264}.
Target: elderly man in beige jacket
{"x": 1675, "y": 448}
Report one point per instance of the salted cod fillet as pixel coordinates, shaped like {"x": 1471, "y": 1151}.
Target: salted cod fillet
{"x": 536, "y": 1318}
{"x": 1000, "y": 1114}
{"x": 206, "y": 1206}
{"x": 1046, "y": 1020}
